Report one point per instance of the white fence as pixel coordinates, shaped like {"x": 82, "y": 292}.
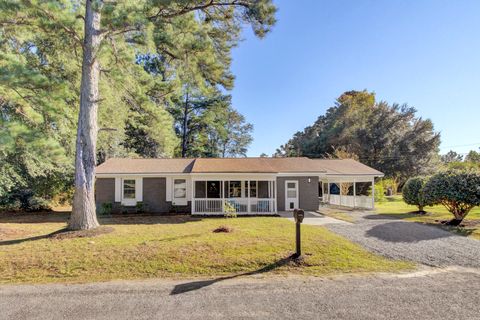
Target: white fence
{"x": 350, "y": 201}
{"x": 238, "y": 205}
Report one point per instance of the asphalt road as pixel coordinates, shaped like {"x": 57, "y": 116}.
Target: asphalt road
{"x": 437, "y": 294}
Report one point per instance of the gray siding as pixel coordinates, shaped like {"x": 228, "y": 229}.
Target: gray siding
{"x": 308, "y": 193}
{"x": 104, "y": 190}
{"x": 155, "y": 194}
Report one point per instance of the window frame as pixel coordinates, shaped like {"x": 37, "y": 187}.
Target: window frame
{"x": 174, "y": 187}
{"x": 124, "y": 189}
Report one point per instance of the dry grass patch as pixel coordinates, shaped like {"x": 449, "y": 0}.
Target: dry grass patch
{"x": 177, "y": 247}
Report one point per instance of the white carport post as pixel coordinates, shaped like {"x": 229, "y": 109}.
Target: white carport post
{"x": 373, "y": 193}
{"x": 354, "y": 194}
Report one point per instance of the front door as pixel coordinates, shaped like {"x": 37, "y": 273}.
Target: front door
{"x": 291, "y": 195}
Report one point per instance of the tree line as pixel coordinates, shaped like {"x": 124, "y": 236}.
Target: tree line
{"x": 388, "y": 137}
{"x": 82, "y": 81}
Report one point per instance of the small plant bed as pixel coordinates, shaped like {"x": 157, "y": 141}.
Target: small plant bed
{"x": 224, "y": 229}
{"x": 435, "y": 215}
{"x": 177, "y": 247}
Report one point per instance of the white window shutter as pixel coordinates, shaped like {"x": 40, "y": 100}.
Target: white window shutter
{"x": 139, "y": 189}
{"x": 168, "y": 188}
{"x": 118, "y": 189}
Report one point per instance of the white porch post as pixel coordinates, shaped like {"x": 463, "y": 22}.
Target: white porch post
{"x": 275, "y": 208}
{"x": 328, "y": 192}
{"x": 354, "y": 194}
{"x": 340, "y": 193}
{"x": 373, "y": 193}
{"x": 248, "y": 196}
{"x": 222, "y": 193}
{"x": 269, "y": 194}
{"x": 192, "y": 196}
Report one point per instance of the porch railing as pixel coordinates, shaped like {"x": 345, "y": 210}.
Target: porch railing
{"x": 238, "y": 205}
{"x": 350, "y": 201}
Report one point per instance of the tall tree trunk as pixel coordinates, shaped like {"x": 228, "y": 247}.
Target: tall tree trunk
{"x": 83, "y": 212}
{"x": 184, "y": 126}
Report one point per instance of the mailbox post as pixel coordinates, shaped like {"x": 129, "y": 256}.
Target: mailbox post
{"x": 298, "y": 214}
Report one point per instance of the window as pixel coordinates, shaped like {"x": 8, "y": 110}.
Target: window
{"x": 200, "y": 189}
{"x": 234, "y": 189}
{"x": 213, "y": 189}
{"x": 129, "y": 189}
{"x": 291, "y": 190}
{"x": 253, "y": 189}
{"x": 179, "y": 188}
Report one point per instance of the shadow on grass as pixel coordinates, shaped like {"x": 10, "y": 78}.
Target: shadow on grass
{"x": 392, "y": 216}
{"x": 116, "y": 219}
{"x": 195, "y": 285}
{"x": 406, "y": 232}
{"x": 40, "y": 237}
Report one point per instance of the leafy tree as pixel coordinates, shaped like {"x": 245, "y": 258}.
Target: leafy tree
{"x": 458, "y": 191}
{"x": 263, "y": 155}
{"x": 236, "y": 135}
{"x": 451, "y": 156}
{"x": 112, "y": 30}
{"x": 214, "y": 129}
{"x": 413, "y": 193}
{"x": 473, "y": 156}
{"x": 387, "y": 137}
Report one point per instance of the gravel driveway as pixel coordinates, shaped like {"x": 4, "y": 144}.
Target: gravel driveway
{"x": 412, "y": 241}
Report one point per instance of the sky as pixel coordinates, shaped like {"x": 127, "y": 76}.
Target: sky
{"x": 425, "y": 53}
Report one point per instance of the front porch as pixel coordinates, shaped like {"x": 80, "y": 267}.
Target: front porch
{"x": 349, "y": 192}
{"x": 216, "y": 196}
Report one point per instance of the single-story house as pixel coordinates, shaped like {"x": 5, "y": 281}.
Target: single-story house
{"x": 213, "y": 186}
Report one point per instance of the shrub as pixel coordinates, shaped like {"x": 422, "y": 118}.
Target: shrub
{"x": 10, "y": 205}
{"x": 37, "y": 204}
{"x": 230, "y": 211}
{"x": 106, "y": 208}
{"x": 379, "y": 192}
{"x": 140, "y": 207}
{"x": 458, "y": 191}
{"x": 413, "y": 192}
{"x": 23, "y": 200}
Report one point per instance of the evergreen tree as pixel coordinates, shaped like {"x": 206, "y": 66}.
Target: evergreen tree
{"x": 105, "y": 35}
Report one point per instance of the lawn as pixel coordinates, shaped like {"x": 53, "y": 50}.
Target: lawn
{"x": 395, "y": 206}
{"x": 173, "y": 247}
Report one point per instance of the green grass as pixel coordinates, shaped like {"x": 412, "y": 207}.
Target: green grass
{"x": 174, "y": 247}
{"x": 394, "y": 206}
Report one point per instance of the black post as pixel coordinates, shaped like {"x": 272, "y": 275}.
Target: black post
{"x": 298, "y": 214}
{"x": 298, "y": 252}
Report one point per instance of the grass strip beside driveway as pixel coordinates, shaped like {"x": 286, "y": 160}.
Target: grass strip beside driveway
{"x": 396, "y": 207}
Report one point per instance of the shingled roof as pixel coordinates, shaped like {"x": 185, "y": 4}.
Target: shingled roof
{"x": 235, "y": 165}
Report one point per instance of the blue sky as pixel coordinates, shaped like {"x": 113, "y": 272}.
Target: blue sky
{"x": 425, "y": 53}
